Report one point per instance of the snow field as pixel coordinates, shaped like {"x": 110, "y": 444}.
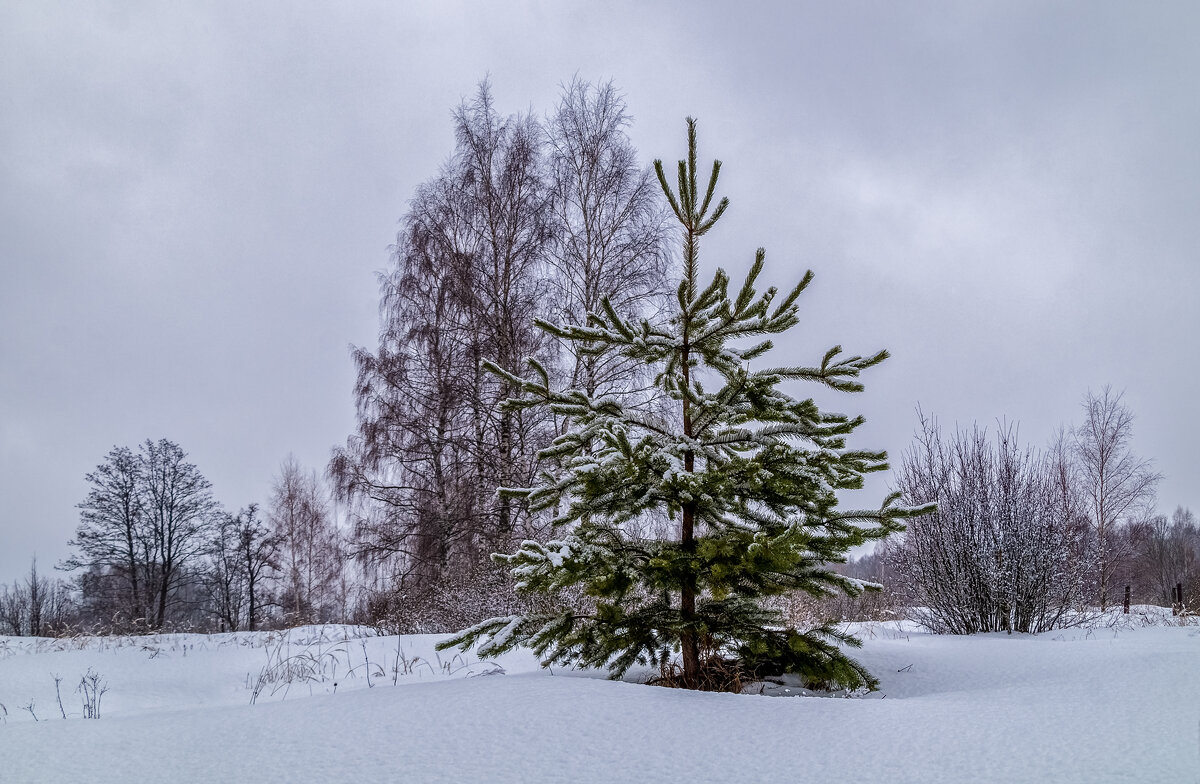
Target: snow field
{"x": 1082, "y": 705}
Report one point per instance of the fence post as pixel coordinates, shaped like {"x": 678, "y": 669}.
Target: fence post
{"x": 1127, "y": 600}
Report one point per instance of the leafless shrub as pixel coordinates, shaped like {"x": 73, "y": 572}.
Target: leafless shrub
{"x": 1002, "y": 551}
{"x": 454, "y": 601}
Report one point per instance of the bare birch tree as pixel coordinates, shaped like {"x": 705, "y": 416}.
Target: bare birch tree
{"x": 468, "y": 280}
{"x": 1115, "y": 481}
{"x": 610, "y": 223}
{"x": 525, "y": 221}
{"x": 309, "y": 547}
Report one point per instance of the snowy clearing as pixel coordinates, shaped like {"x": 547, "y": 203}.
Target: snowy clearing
{"x": 1099, "y": 705}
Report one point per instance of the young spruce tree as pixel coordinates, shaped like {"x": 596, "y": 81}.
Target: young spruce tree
{"x": 750, "y": 474}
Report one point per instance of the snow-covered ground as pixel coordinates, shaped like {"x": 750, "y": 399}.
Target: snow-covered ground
{"x": 1084, "y": 705}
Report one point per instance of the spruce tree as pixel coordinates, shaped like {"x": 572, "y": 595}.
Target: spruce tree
{"x": 749, "y": 474}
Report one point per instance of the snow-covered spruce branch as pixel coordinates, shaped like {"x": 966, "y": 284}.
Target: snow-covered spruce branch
{"x": 834, "y": 375}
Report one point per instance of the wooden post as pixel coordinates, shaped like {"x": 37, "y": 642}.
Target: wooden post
{"x": 1127, "y": 600}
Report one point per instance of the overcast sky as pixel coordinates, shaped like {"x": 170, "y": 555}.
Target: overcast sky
{"x": 195, "y": 199}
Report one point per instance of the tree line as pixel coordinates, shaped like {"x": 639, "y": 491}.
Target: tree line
{"x": 154, "y": 550}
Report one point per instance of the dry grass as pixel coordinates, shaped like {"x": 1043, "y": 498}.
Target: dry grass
{"x": 717, "y": 672}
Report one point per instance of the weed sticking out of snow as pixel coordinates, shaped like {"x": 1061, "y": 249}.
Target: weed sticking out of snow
{"x": 322, "y": 661}
{"x": 92, "y": 688}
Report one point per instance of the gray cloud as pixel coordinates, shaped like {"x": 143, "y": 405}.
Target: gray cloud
{"x": 194, "y": 200}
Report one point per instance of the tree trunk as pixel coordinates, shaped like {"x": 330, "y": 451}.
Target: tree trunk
{"x": 135, "y": 595}
{"x": 687, "y": 601}
{"x": 687, "y": 609}
{"x": 250, "y": 608}
{"x": 164, "y": 589}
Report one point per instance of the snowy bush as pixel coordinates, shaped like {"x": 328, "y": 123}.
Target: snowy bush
{"x": 1005, "y": 548}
